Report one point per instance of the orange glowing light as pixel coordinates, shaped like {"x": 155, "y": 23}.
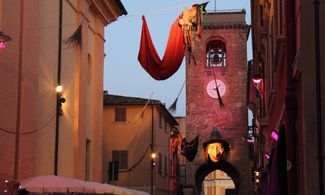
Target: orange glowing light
{"x": 215, "y": 151}
{"x": 59, "y": 89}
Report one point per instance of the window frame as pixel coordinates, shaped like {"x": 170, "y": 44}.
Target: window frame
{"x": 166, "y": 165}
{"x": 122, "y": 157}
{"x": 160, "y": 163}
{"x": 160, "y": 120}
{"x": 120, "y": 114}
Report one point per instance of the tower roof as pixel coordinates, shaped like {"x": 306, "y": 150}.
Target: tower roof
{"x": 225, "y": 19}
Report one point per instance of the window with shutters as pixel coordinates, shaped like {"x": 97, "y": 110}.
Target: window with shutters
{"x": 166, "y": 166}
{"x": 166, "y": 126}
{"x": 122, "y": 157}
{"x": 160, "y": 120}
{"x": 182, "y": 174}
{"x": 160, "y": 163}
{"x": 88, "y": 155}
{"x": 120, "y": 114}
{"x": 280, "y": 17}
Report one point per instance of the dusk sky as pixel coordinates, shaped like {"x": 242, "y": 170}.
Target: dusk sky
{"x": 123, "y": 74}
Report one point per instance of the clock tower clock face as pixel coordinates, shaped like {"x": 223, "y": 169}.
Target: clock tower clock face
{"x": 211, "y": 88}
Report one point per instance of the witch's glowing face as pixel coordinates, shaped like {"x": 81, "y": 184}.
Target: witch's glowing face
{"x": 215, "y": 151}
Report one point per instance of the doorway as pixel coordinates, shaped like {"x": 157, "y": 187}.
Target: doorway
{"x": 218, "y": 183}
{"x": 219, "y": 178}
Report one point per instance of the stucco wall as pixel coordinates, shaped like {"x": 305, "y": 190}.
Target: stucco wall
{"x": 134, "y": 135}
{"x": 31, "y": 61}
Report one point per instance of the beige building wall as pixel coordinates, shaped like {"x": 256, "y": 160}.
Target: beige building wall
{"x": 29, "y": 76}
{"x": 217, "y": 182}
{"x": 134, "y": 135}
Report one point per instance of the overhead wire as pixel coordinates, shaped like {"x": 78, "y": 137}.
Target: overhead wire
{"x": 10, "y": 131}
{"x": 138, "y": 162}
{"x": 159, "y": 11}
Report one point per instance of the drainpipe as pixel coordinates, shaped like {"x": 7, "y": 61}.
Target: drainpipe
{"x": 318, "y": 100}
{"x": 57, "y": 124}
{"x": 19, "y": 89}
{"x": 152, "y": 160}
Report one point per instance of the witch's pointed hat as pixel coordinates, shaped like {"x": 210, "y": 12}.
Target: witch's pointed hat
{"x": 216, "y": 137}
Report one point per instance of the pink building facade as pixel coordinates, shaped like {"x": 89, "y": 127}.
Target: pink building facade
{"x": 288, "y": 50}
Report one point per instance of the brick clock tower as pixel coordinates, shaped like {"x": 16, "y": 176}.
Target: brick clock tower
{"x": 221, "y": 59}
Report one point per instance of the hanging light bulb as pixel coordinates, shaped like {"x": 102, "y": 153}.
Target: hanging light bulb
{"x": 58, "y": 89}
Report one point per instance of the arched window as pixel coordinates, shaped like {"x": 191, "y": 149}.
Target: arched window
{"x": 216, "y": 54}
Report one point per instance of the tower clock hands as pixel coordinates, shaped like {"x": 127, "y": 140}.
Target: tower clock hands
{"x": 217, "y": 89}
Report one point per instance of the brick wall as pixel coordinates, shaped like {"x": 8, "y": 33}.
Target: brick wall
{"x": 203, "y": 113}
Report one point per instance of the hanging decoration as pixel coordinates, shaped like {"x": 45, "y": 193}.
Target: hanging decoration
{"x": 179, "y": 144}
{"x": 216, "y": 148}
{"x": 172, "y": 107}
{"x": 191, "y": 25}
{"x": 174, "y": 53}
{"x": 179, "y": 40}
{"x": 76, "y": 38}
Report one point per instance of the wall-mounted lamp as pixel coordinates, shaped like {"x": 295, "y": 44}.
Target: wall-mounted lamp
{"x": 60, "y": 99}
{"x": 257, "y": 78}
{"x": 3, "y": 39}
{"x": 257, "y": 173}
{"x": 267, "y": 156}
{"x": 153, "y": 164}
{"x": 153, "y": 159}
{"x": 58, "y": 89}
{"x": 274, "y": 135}
{"x": 257, "y": 176}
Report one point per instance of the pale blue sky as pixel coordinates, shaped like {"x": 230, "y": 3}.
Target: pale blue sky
{"x": 123, "y": 75}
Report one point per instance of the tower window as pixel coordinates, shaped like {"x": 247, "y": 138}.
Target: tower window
{"x": 216, "y": 54}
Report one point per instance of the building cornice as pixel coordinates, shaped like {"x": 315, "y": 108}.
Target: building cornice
{"x": 126, "y": 101}
{"x": 226, "y": 26}
{"x": 107, "y": 10}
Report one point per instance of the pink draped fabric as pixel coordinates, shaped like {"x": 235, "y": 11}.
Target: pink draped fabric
{"x": 173, "y": 57}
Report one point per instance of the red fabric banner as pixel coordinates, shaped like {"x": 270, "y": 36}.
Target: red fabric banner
{"x": 173, "y": 57}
